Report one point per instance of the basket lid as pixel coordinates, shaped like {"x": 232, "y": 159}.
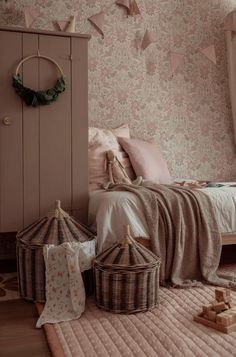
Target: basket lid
{"x": 56, "y": 227}
{"x": 127, "y": 254}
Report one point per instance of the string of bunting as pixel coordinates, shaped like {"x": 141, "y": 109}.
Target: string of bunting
{"x": 132, "y": 9}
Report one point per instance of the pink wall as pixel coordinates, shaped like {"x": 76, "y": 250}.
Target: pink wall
{"x": 188, "y": 115}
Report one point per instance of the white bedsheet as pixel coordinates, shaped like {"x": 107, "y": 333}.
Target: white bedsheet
{"x": 108, "y": 211}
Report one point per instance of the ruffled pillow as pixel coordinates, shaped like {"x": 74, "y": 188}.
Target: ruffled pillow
{"x": 101, "y": 141}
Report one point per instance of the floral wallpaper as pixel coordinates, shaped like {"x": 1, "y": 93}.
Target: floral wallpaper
{"x": 188, "y": 115}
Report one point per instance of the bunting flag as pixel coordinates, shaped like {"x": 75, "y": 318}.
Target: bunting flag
{"x": 176, "y": 60}
{"x": 133, "y": 9}
{"x": 71, "y": 25}
{"x": 148, "y": 38}
{"x": 209, "y": 52}
{"x": 30, "y": 16}
{"x": 130, "y": 6}
{"x": 98, "y": 22}
{"x": 60, "y": 25}
{"x": 125, "y": 4}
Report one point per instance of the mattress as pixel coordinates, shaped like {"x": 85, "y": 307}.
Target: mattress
{"x": 109, "y": 210}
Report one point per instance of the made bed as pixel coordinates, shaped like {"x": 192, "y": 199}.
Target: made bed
{"x": 183, "y": 223}
{"x": 109, "y": 210}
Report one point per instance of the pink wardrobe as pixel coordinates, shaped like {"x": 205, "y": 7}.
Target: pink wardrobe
{"x": 43, "y": 150}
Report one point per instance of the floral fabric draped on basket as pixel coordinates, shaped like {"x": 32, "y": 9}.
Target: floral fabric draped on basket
{"x": 65, "y": 293}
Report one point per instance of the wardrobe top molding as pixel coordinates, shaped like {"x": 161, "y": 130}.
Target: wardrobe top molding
{"x": 44, "y": 32}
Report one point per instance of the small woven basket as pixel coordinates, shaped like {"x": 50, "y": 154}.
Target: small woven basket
{"x": 126, "y": 277}
{"x": 55, "y": 228}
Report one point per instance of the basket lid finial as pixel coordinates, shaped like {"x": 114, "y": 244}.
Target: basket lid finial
{"x": 58, "y": 212}
{"x": 127, "y": 236}
{"x": 58, "y": 204}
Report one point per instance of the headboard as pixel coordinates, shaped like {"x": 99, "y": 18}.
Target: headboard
{"x": 43, "y": 150}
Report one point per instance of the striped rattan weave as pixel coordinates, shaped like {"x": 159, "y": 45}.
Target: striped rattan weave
{"x": 126, "y": 277}
{"x": 56, "y": 228}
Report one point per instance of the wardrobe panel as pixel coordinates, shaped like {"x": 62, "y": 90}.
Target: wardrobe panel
{"x": 43, "y": 150}
{"x": 30, "y": 70}
{"x": 55, "y": 127}
{"x": 79, "y": 77}
{"x": 11, "y": 181}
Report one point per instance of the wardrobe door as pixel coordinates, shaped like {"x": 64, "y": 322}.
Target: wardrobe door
{"x": 31, "y": 124}
{"x": 55, "y": 127}
{"x": 79, "y": 79}
{"x": 11, "y": 176}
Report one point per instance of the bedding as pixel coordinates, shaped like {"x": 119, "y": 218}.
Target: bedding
{"x": 147, "y": 160}
{"x": 184, "y": 232}
{"x": 116, "y": 207}
{"x": 100, "y": 141}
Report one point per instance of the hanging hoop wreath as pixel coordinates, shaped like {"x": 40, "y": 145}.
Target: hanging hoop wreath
{"x": 35, "y": 98}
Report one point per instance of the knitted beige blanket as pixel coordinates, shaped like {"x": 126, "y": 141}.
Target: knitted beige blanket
{"x": 183, "y": 231}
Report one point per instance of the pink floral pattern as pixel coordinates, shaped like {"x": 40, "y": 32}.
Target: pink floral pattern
{"x": 65, "y": 293}
{"x": 188, "y": 115}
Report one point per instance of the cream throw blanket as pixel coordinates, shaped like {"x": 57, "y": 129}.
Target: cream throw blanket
{"x": 183, "y": 231}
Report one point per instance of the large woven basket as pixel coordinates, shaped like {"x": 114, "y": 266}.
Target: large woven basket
{"x": 55, "y": 228}
{"x": 126, "y": 277}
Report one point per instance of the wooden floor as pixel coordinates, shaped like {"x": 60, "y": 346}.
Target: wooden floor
{"x": 18, "y": 335}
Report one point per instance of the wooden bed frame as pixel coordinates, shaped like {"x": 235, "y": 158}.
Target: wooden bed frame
{"x": 227, "y": 239}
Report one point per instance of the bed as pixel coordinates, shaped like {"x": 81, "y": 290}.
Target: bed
{"x": 108, "y": 210}
{"x": 184, "y": 227}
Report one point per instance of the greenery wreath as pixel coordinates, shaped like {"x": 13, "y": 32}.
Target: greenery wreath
{"x": 42, "y": 97}
{"x": 35, "y": 98}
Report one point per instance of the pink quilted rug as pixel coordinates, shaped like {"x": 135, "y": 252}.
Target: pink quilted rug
{"x": 168, "y": 330}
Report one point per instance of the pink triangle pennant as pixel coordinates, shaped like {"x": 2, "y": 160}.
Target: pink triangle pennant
{"x": 209, "y": 52}
{"x": 148, "y": 38}
{"x": 30, "y": 16}
{"x": 176, "y": 59}
{"x": 98, "y": 22}
{"x": 133, "y": 8}
{"x": 125, "y": 4}
{"x": 71, "y": 25}
{"x": 61, "y": 25}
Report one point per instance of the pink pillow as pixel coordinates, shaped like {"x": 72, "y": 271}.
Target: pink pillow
{"x": 146, "y": 160}
{"x": 100, "y": 141}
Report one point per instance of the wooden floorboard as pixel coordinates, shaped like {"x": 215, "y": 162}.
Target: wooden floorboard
{"x": 18, "y": 335}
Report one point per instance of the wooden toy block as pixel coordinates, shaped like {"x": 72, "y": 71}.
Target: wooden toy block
{"x": 221, "y": 314}
{"x": 217, "y": 326}
{"x": 222, "y": 294}
{"x": 219, "y": 294}
{"x": 224, "y": 320}
{"x": 212, "y": 315}
{"x": 206, "y": 309}
{"x": 219, "y": 306}
{"x": 230, "y": 304}
{"x": 228, "y": 314}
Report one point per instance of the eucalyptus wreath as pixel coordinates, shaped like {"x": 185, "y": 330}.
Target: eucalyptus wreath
{"x": 42, "y": 97}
